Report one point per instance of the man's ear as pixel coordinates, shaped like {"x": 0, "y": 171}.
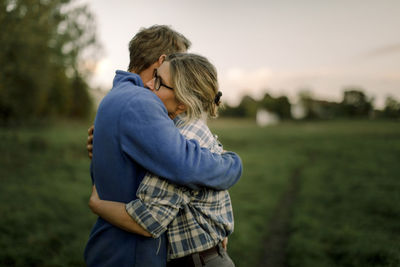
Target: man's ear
{"x": 161, "y": 59}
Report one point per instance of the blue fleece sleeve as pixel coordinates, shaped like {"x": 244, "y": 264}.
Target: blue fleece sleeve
{"x": 149, "y": 137}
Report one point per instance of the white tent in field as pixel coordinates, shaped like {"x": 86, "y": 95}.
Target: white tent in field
{"x": 265, "y": 118}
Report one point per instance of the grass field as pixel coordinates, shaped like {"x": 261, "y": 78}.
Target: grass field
{"x": 312, "y": 194}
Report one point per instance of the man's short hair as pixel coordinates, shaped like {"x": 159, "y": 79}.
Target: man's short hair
{"x": 149, "y": 44}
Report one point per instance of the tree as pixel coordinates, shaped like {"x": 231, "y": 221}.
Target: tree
{"x": 249, "y": 105}
{"x": 392, "y": 108}
{"x": 307, "y": 102}
{"x": 356, "y": 104}
{"x": 319, "y": 109}
{"x": 229, "y": 111}
{"x": 42, "y": 44}
{"x": 280, "y": 106}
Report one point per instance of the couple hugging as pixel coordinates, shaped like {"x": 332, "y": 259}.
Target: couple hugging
{"x": 160, "y": 177}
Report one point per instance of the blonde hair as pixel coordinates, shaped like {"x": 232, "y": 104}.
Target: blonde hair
{"x": 149, "y": 44}
{"x": 195, "y": 84}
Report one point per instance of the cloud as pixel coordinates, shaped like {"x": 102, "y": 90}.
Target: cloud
{"x": 384, "y": 51}
{"x": 248, "y": 78}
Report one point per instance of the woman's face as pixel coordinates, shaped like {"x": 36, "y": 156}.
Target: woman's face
{"x": 166, "y": 95}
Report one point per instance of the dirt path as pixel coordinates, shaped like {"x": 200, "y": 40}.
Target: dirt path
{"x": 275, "y": 244}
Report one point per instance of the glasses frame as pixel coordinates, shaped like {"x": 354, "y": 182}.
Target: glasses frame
{"x": 158, "y": 82}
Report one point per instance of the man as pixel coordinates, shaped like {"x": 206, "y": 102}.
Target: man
{"x": 135, "y": 134}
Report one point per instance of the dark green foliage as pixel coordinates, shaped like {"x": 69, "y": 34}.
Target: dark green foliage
{"x": 81, "y": 96}
{"x": 392, "y": 108}
{"x": 248, "y": 107}
{"x": 356, "y": 104}
{"x": 280, "y": 106}
{"x": 42, "y": 44}
{"x": 319, "y": 109}
{"x": 229, "y": 111}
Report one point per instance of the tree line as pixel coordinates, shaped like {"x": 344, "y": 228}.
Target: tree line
{"x": 354, "y": 104}
{"x": 45, "y": 47}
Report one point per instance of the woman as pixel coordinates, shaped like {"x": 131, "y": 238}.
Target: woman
{"x": 196, "y": 221}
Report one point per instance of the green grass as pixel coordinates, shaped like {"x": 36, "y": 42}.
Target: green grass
{"x": 44, "y": 188}
{"x": 269, "y": 157}
{"x": 346, "y": 210}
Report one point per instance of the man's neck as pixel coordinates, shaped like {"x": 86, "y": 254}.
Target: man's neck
{"x": 146, "y": 75}
{"x": 137, "y": 74}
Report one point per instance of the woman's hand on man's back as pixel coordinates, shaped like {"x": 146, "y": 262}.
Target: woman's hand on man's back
{"x": 89, "y": 143}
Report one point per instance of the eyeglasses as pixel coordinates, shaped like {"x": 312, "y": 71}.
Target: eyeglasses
{"x": 158, "y": 83}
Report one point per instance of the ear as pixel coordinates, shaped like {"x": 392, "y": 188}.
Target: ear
{"x": 180, "y": 109}
{"x": 161, "y": 59}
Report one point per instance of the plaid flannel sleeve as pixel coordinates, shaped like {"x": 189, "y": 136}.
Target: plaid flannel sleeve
{"x": 157, "y": 204}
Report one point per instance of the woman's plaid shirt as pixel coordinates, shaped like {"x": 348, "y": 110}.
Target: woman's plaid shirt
{"x": 195, "y": 220}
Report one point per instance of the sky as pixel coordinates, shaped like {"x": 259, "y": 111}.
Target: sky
{"x": 277, "y": 46}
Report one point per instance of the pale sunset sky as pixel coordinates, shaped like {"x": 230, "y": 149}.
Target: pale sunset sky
{"x": 259, "y": 46}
